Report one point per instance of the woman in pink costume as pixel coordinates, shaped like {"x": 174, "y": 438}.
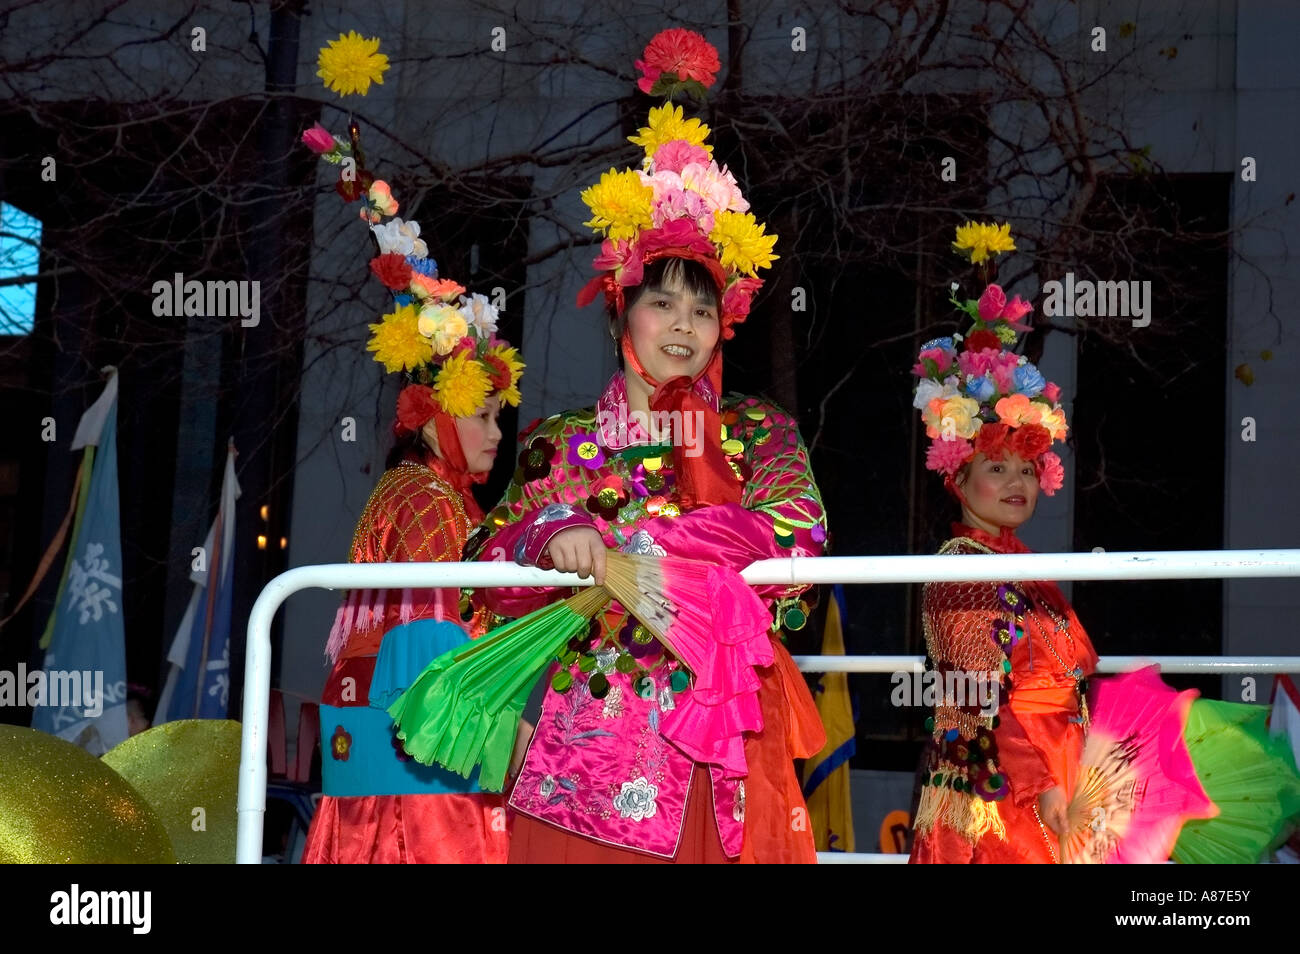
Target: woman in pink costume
{"x": 662, "y": 464}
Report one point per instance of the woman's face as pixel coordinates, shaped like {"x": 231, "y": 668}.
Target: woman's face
{"x": 479, "y": 436}
{"x": 999, "y": 493}
{"x": 673, "y": 331}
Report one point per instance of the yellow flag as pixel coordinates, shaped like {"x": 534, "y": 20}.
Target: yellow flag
{"x": 826, "y": 775}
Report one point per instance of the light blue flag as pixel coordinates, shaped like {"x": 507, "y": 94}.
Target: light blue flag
{"x": 81, "y": 694}
{"x": 198, "y": 685}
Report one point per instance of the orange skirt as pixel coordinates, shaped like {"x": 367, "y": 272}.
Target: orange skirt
{"x": 1028, "y": 841}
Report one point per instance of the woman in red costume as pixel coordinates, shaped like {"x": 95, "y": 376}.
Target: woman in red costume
{"x": 600, "y": 782}
{"x": 1010, "y": 661}
{"x": 379, "y": 805}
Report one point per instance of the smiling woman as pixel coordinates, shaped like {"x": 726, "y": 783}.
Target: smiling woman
{"x": 997, "y": 780}
{"x": 997, "y": 493}
{"x": 724, "y": 480}
{"x": 670, "y": 329}
{"x": 600, "y": 783}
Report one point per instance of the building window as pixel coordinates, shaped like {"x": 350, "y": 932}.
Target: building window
{"x": 20, "y": 254}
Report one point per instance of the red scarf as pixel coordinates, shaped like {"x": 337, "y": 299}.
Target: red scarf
{"x": 706, "y": 478}
{"x": 1005, "y": 542}
{"x": 416, "y": 406}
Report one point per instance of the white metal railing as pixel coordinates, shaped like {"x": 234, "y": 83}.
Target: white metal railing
{"x": 1154, "y": 565}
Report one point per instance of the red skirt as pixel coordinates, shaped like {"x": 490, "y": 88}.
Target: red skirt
{"x": 409, "y": 829}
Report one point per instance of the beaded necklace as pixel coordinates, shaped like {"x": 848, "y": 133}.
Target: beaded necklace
{"x": 1074, "y": 671}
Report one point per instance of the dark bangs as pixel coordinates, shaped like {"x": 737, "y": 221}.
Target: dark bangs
{"x": 674, "y": 274}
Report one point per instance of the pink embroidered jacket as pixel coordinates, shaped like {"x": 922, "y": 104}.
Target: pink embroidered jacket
{"x": 598, "y": 766}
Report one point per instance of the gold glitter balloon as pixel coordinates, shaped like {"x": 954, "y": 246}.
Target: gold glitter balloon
{"x": 59, "y": 804}
{"x": 189, "y": 772}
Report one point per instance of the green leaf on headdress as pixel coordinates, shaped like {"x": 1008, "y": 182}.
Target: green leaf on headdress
{"x": 668, "y": 86}
{"x": 971, "y": 307}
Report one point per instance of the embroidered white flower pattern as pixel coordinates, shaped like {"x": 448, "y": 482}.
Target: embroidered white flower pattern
{"x": 546, "y": 786}
{"x": 738, "y": 807}
{"x": 637, "y": 800}
{"x": 643, "y": 544}
{"x": 613, "y": 703}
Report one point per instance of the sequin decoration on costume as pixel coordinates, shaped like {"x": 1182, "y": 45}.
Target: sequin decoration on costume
{"x": 536, "y": 458}
{"x": 987, "y": 762}
{"x": 640, "y": 679}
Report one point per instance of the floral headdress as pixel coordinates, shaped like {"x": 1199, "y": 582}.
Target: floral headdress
{"x": 444, "y": 341}
{"x": 975, "y": 394}
{"x": 680, "y": 203}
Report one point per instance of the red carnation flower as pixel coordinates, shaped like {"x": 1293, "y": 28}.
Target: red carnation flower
{"x": 738, "y": 297}
{"x": 500, "y": 376}
{"x": 979, "y": 340}
{"x": 681, "y": 234}
{"x": 990, "y": 440}
{"x": 416, "y": 407}
{"x": 391, "y": 269}
{"x": 1029, "y": 440}
{"x": 683, "y": 53}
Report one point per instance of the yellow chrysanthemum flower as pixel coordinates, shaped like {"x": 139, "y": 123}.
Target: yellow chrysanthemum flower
{"x": 397, "y": 342}
{"x": 510, "y": 356}
{"x": 980, "y": 240}
{"x": 666, "y": 124}
{"x": 620, "y": 204}
{"x": 351, "y": 63}
{"x": 745, "y": 246}
{"x": 511, "y": 396}
{"x": 462, "y": 385}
